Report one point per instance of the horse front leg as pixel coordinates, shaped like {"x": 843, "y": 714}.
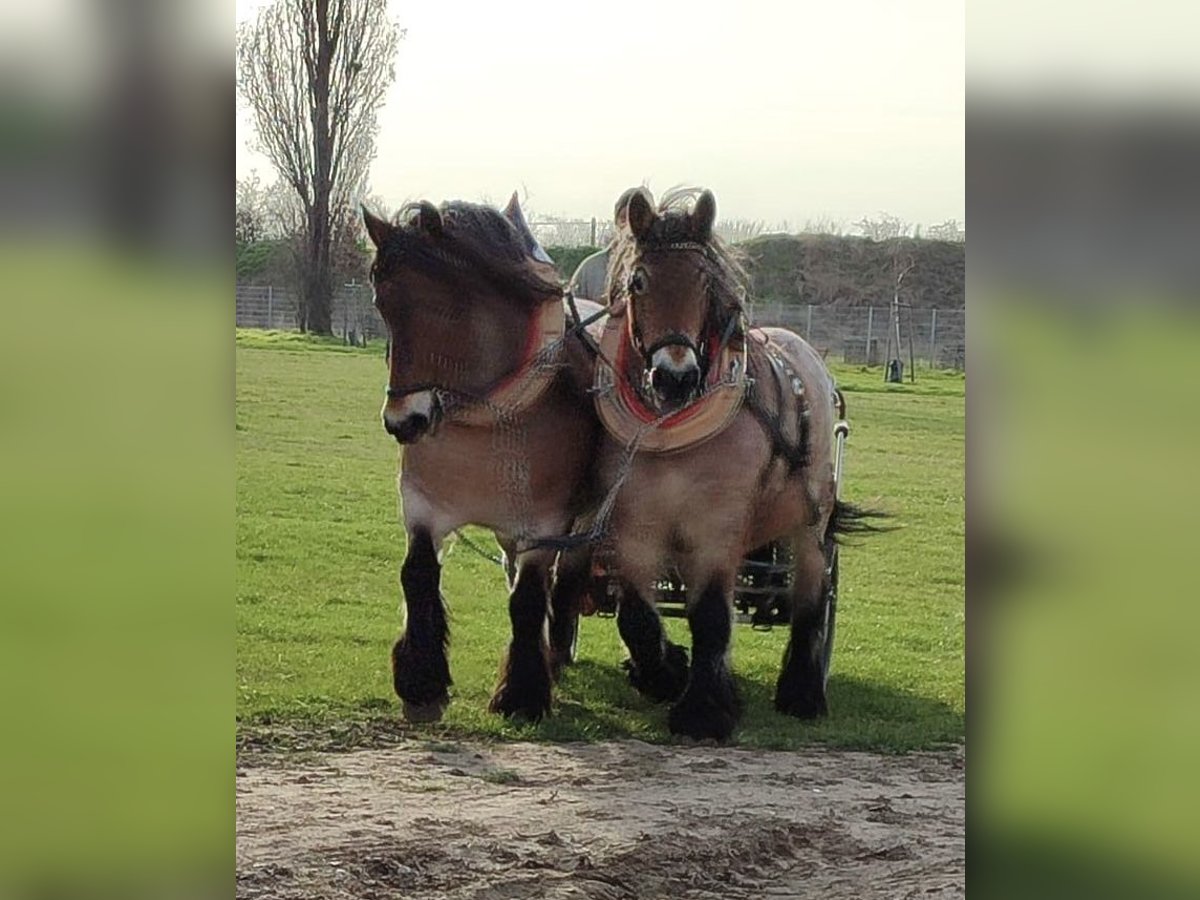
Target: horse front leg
{"x": 523, "y": 690}
{"x": 420, "y": 669}
{"x": 800, "y": 690}
{"x": 657, "y": 668}
{"x": 709, "y": 707}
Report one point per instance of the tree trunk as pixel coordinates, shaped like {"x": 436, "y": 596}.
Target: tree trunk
{"x": 320, "y": 298}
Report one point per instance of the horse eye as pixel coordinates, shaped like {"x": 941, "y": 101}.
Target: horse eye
{"x": 637, "y": 281}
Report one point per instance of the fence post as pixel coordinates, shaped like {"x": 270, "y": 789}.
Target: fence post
{"x": 593, "y": 231}
{"x": 870, "y": 322}
{"x": 270, "y": 317}
{"x": 808, "y": 326}
{"x": 933, "y": 339}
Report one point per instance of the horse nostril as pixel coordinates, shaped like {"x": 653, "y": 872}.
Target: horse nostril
{"x": 674, "y": 384}
{"x": 407, "y": 429}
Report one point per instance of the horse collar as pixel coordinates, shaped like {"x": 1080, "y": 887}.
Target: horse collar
{"x": 524, "y": 386}
{"x": 631, "y": 422}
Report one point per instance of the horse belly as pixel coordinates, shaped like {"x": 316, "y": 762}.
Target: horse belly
{"x": 692, "y": 509}
{"x": 507, "y": 483}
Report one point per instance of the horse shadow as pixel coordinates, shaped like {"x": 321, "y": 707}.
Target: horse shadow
{"x": 596, "y": 700}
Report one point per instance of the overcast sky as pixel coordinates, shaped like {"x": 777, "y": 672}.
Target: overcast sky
{"x": 787, "y": 110}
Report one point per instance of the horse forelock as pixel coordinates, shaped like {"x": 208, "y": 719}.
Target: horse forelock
{"x": 727, "y": 278}
{"x": 476, "y": 243}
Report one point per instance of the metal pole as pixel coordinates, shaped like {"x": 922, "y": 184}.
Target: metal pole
{"x": 912, "y": 351}
{"x": 870, "y": 322}
{"x": 270, "y": 316}
{"x": 808, "y": 325}
{"x": 933, "y": 339}
{"x": 593, "y": 231}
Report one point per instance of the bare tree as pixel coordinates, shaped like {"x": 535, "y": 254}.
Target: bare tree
{"x": 249, "y": 210}
{"x": 885, "y": 228}
{"x": 950, "y": 230}
{"x": 734, "y": 231}
{"x": 314, "y": 73}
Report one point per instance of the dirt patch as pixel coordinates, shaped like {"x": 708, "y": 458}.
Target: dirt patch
{"x": 610, "y": 821}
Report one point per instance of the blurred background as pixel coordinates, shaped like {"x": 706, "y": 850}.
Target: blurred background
{"x": 1083, "y": 131}
{"x": 115, "y": 637}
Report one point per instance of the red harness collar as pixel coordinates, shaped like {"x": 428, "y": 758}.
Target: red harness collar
{"x": 522, "y": 387}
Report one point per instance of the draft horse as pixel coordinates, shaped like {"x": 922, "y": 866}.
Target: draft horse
{"x": 487, "y": 393}
{"x": 719, "y": 442}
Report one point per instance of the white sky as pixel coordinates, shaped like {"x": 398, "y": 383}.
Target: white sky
{"x": 786, "y": 110}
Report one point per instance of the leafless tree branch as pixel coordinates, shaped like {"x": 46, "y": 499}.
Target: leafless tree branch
{"x": 314, "y": 74}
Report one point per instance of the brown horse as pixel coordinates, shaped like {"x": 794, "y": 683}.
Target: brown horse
{"x": 726, "y": 447}
{"x": 487, "y": 393}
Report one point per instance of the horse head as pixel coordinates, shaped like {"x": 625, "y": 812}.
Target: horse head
{"x": 457, "y": 286}
{"x": 680, "y": 287}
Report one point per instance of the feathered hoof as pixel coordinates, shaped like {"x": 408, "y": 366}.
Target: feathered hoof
{"x": 520, "y": 707}
{"x": 801, "y": 702}
{"x": 663, "y": 682}
{"x": 432, "y": 711}
{"x": 706, "y": 714}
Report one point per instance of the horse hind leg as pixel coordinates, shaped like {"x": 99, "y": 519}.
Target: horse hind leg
{"x": 524, "y": 687}
{"x": 710, "y": 706}
{"x": 657, "y": 668}
{"x": 420, "y": 669}
{"x": 572, "y": 578}
{"x": 800, "y": 690}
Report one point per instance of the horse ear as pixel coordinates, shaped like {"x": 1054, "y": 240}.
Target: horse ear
{"x": 513, "y": 213}
{"x": 703, "y": 216}
{"x": 621, "y": 209}
{"x": 378, "y": 230}
{"x": 640, "y": 213}
{"x": 428, "y": 218}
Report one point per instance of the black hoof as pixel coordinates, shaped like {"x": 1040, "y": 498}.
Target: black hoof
{"x": 804, "y": 701}
{"x": 706, "y": 714}
{"x": 663, "y": 682}
{"x": 524, "y": 688}
{"x": 420, "y": 677}
{"x": 521, "y": 706}
{"x": 425, "y": 712}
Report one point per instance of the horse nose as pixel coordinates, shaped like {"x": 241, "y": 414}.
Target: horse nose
{"x": 675, "y": 384}
{"x": 406, "y": 429}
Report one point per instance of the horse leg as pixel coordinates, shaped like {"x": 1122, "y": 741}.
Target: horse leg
{"x": 709, "y": 707}
{"x": 657, "y": 668}
{"x": 509, "y": 554}
{"x": 420, "y": 670}
{"x": 572, "y": 576}
{"x": 523, "y": 690}
{"x": 800, "y": 690}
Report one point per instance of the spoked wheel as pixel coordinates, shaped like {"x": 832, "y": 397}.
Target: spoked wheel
{"x": 829, "y": 625}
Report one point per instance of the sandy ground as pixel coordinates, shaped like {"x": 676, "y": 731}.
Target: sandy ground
{"x": 610, "y": 821}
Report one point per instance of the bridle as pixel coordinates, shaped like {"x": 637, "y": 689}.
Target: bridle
{"x": 677, "y": 338}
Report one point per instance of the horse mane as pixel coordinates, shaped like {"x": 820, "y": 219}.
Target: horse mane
{"x": 476, "y": 243}
{"x": 729, "y": 282}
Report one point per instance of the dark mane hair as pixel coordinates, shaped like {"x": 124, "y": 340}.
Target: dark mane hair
{"x": 476, "y": 243}
{"x": 729, "y": 282}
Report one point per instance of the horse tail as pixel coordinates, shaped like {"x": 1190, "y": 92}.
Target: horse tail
{"x": 849, "y": 520}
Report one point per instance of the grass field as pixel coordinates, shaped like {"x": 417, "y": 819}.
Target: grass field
{"x": 319, "y": 548}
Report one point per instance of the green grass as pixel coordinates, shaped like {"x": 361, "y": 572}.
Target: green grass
{"x": 319, "y": 548}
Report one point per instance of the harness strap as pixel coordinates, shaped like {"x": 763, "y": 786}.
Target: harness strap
{"x": 794, "y": 453}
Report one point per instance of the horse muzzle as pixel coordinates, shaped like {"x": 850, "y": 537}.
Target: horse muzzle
{"x": 412, "y": 417}
{"x": 674, "y": 375}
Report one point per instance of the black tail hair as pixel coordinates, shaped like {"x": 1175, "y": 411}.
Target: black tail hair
{"x": 848, "y": 520}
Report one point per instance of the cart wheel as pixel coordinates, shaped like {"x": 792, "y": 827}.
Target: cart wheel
{"x": 831, "y": 592}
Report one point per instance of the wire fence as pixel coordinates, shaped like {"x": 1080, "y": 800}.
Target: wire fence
{"x": 859, "y": 335}
{"x": 355, "y": 318}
